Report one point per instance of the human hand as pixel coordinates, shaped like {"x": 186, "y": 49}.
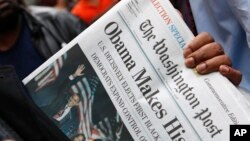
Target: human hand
{"x": 79, "y": 70}
{"x": 206, "y": 56}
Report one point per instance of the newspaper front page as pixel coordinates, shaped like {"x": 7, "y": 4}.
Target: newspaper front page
{"x": 124, "y": 78}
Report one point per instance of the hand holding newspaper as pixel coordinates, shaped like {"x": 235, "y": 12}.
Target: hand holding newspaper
{"x": 135, "y": 85}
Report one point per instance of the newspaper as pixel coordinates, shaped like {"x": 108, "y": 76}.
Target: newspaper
{"x": 124, "y": 78}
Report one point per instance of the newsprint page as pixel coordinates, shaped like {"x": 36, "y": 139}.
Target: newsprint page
{"x": 124, "y": 79}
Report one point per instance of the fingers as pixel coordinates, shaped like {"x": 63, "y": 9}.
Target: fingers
{"x": 205, "y": 52}
{"x": 81, "y": 67}
{"x": 199, "y": 41}
{"x": 79, "y": 71}
{"x": 206, "y": 56}
{"x": 213, "y": 64}
{"x": 233, "y": 75}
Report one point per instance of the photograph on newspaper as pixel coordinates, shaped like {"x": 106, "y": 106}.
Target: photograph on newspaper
{"x": 71, "y": 95}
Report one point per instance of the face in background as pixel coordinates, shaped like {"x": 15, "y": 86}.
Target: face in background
{"x": 79, "y": 138}
{"x": 9, "y": 13}
{"x": 73, "y": 100}
{"x": 7, "y": 8}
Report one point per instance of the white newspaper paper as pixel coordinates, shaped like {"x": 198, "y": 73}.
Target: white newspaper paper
{"x": 136, "y": 51}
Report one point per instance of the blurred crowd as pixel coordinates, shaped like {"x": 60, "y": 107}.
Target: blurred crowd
{"x": 30, "y": 33}
{"x": 86, "y": 10}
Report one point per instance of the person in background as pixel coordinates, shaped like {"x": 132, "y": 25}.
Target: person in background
{"x": 28, "y": 37}
{"x": 65, "y": 4}
{"x": 228, "y": 22}
{"x": 78, "y": 137}
{"x": 59, "y": 112}
{"x": 59, "y": 4}
{"x": 6, "y": 133}
{"x": 90, "y": 10}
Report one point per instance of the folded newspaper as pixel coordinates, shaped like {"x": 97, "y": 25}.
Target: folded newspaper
{"x": 124, "y": 78}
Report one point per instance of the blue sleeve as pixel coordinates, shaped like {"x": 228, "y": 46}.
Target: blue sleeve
{"x": 241, "y": 9}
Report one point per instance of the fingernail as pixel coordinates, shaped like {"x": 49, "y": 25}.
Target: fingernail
{"x": 190, "y": 62}
{"x": 224, "y": 69}
{"x": 201, "y": 67}
{"x": 186, "y": 52}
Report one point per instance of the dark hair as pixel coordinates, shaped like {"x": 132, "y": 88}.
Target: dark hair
{"x": 22, "y": 3}
{"x": 47, "y": 2}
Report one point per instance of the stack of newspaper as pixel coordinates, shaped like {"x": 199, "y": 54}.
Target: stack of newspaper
{"x": 124, "y": 78}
